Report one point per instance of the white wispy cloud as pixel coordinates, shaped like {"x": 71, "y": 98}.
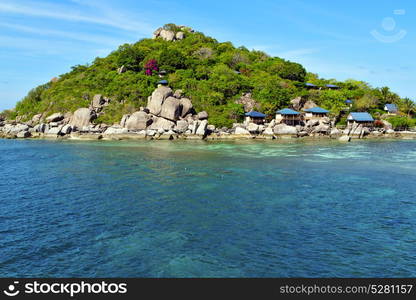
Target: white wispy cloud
{"x": 101, "y": 16}
{"x": 63, "y": 34}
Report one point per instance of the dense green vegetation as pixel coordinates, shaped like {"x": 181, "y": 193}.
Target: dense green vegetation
{"x": 211, "y": 73}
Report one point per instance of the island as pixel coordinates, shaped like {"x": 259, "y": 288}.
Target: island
{"x": 181, "y": 84}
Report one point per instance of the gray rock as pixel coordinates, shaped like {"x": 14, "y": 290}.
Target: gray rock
{"x": 67, "y": 129}
{"x": 97, "y": 101}
{"x": 181, "y": 126}
{"x": 23, "y": 134}
{"x": 55, "y": 130}
{"x": 268, "y": 131}
{"x": 56, "y": 117}
{"x": 202, "y": 115}
{"x": 321, "y": 129}
{"x": 335, "y": 132}
{"x": 158, "y": 97}
{"x": 345, "y": 138}
{"x": 253, "y": 128}
{"x": 81, "y": 117}
{"x": 202, "y": 128}
{"x": 124, "y": 120}
{"x": 178, "y": 94}
{"x": 389, "y": 131}
{"x": 312, "y": 123}
{"x": 151, "y": 132}
{"x": 162, "y": 123}
{"x": 186, "y": 106}
{"x": 309, "y": 104}
{"x": 284, "y": 129}
{"x": 18, "y": 128}
{"x": 139, "y": 120}
{"x": 167, "y": 35}
{"x": 240, "y": 130}
{"x": 171, "y": 109}
{"x": 211, "y": 128}
{"x": 36, "y": 118}
{"x": 303, "y": 133}
{"x": 180, "y": 35}
{"x": 115, "y": 130}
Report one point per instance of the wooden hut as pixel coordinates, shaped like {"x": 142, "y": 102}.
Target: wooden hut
{"x": 363, "y": 118}
{"x": 315, "y": 113}
{"x": 288, "y": 116}
{"x": 255, "y": 117}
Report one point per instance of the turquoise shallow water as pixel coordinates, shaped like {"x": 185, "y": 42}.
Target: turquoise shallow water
{"x": 207, "y": 209}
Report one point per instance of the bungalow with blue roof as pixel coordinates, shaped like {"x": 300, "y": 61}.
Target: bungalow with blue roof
{"x": 332, "y": 86}
{"x": 288, "y": 116}
{"x": 391, "y": 108}
{"x": 363, "y": 118}
{"x": 163, "y": 82}
{"x": 315, "y": 113}
{"x": 309, "y": 85}
{"x": 255, "y": 117}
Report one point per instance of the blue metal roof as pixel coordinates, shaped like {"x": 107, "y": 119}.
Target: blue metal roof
{"x": 287, "y": 111}
{"x": 317, "y": 110}
{"x": 163, "y": 82}
{"x": 255, "y": 114}
{"x": 348, "y": 101}
{"x": 361, "y": 117}
{"x": 332, "y": 86}
{"x": 310, "y": 84}
{"x": 391, "y": 107}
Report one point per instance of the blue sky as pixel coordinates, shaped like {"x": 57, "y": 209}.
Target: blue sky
{"x": 369, "y": 40}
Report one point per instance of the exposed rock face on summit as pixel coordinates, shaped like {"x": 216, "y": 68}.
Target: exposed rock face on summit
{"x": 169, "y": 35}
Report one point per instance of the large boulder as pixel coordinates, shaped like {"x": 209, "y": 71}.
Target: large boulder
{"x": 268, "y": 131}
{"x": 139, "y": 120}
{"x": 81, "y": 118}
{"x": 180, "y": 35}
{"x": 203, "y": 115}
{"x": 253, "y": 128}
{"x": 345, "y": 138}
{"x": 309, "y": 104}
{"x": 167, "y": 35}
{"x": 23, "y": 134}
{"x": 297, "y": 103}
{"x": 124, "y": 120}
{"x": 36, "y": 118}
{"x": 248, "y": 102}
{"x": 202, "y": 128}
{"x": 115, "y": 130}
{"x": 240, "y": 130}
{"x": 186, "y": 106}
{"x": 312, "y": 123}
{"x": 181, "y": 126}
{"x": 158, "y": 97}
{"x": 18, "y": 128}
{"x": 56, "y": 117}
{"x": 162, "y": 123}
{"x": 55, "y": 130}
{"x": 97, "y": 101}
{"x": 284, "y": 129}
{"x": 171, "y": 109}
{"x": 321, "y": 129}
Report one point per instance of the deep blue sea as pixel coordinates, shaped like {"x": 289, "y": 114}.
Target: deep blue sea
{"x": 207, "y": 209}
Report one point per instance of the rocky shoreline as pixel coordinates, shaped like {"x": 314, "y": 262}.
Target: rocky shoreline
{"x": 171, "y": 116}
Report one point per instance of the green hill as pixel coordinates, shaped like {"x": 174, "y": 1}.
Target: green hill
{"x": 213, "y": 74}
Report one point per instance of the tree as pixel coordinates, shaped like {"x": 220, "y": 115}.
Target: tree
{"x": 150, "y": 67}
{"x": 408, "y": 106}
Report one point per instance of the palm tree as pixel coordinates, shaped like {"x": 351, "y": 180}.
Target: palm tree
{"x": 408, "y": 107}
